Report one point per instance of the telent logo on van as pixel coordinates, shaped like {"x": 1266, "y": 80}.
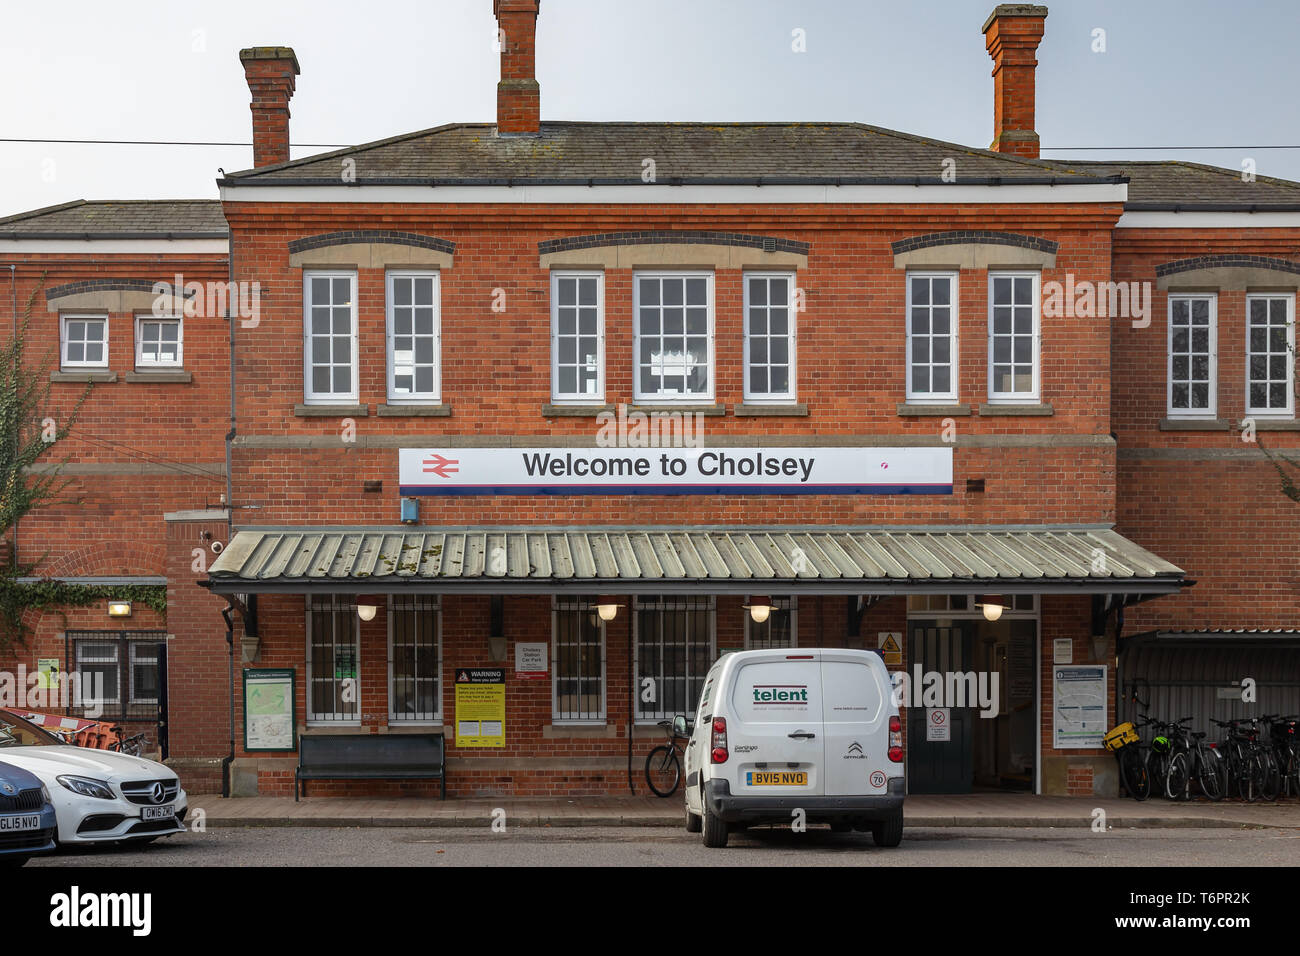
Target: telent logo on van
{"x": 781, "y": 693}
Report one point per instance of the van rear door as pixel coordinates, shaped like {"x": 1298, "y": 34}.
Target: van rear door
{"x": 774, "y": 729}
{"x": 856, "y": 706}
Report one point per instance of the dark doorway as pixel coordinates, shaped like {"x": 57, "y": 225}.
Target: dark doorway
{"x": 939, "y": 766}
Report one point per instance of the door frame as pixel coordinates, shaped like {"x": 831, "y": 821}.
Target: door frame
{"x": 972, "y": 612}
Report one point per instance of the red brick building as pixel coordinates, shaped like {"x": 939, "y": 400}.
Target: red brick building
{"x": 905, "y": 411}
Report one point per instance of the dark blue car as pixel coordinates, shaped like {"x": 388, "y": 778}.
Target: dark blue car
{"x": 27, "y": 821}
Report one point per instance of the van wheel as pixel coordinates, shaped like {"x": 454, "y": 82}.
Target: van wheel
{"x": 715, "y": 830}
{"x": 888, "y": 832}
{"x": 693, "y": 822}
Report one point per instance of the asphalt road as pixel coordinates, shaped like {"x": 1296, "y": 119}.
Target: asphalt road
{"x": 640, "y": 847}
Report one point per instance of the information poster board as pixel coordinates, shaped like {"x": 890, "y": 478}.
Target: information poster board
{"x": 480, "y": 707}
{"x": 1079, "y": 707}
{"x": 270, "y": 705}
{"x": 47, "y": 671}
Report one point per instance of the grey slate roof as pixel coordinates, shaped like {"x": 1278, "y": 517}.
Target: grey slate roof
{"x": 608, "y": 153}
{"x": 733, "y": 560}
{"x": 1175, "y": 184}
{"x": 120, "y": 219}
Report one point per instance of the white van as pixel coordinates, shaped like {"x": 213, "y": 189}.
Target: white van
{"x": 787, "y": 729}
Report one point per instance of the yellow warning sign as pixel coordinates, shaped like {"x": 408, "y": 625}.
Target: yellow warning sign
{"x": 480, "y": 707}
{"x": 890, "y": 644}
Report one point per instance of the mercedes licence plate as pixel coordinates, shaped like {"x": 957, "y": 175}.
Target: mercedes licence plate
{"x": 782, "y": 778}
{"x": 159, "y": 813}
{"x": 30, "y": 821}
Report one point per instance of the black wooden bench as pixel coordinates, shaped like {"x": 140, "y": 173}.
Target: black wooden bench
{"x": 370, "y": 757}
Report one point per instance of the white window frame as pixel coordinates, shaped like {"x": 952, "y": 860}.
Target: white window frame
{"x": 670, "y": 602}
{"x": 424, "y": 398}
{"x": 1031, "y": 397}
{"x": 64, "y": 362}
{"x": 133, "y": 648}
{"x": 146, "y": 363}
{"x": 1189, "y": 297}
{"x": 790, "y": 395}
{"x": 659, "y": 398}
{"x": 577, "y": 398}
{"x": 87, "y": 683}
{"x": 310, "y": 396}
{"x": 790, "y": 604}
{"x": 579, "y": 606}
{"x": 941, "y": 606}
{"x": 347, "y": 606}
{"x": 912, "y": 395}
{"x": 400, "y": 605}
{"x": 1274, "y": 413}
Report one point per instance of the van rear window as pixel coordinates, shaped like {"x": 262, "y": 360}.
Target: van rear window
{"x": 777, "y": 692}
{"x": 853, "y": 691}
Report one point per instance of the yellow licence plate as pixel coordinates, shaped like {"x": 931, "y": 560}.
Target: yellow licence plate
{"x": 784, "y": 778}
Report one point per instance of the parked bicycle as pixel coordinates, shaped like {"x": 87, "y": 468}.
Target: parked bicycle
{"x": 1125, "y": 743}
{"x": 663, "y": 765}
{"x": 134, "y": 745}
{"x": 1284, "y": 734}
{"x": 1191, "y": 758}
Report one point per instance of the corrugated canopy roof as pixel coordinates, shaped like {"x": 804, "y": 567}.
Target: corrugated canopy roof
{"x": 1072, "y": 559}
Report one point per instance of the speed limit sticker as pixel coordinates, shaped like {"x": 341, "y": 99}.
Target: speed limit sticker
{"x": 877, "y": 778}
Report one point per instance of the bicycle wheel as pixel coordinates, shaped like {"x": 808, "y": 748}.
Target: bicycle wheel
{"x": 663, "y": 771}
{"x": 1133, "y": 773}
{"x": 1270, "y": 784}
{"x": 1177, "y": 779}
{"x": 1210, "y": 774}
{"x": 1157, "y": 771}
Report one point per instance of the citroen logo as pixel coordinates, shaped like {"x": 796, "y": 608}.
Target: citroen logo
{"x": 855, "y": 748}
{"x": 158, "y": 793}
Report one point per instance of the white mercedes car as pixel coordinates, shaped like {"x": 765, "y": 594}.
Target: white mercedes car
{"x": 99, "y": 796}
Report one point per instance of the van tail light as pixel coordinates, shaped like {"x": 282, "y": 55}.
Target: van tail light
{"x": 895, "y": 740}
{"x": 718, "y": 741}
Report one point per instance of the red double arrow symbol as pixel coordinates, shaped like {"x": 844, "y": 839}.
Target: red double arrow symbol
{"x": 440, "y": 466}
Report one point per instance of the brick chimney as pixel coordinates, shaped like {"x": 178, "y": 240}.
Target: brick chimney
{"x": 519, "y": 98}
{"x": 1011, "y": 35}
{"x": 270, "y": 71}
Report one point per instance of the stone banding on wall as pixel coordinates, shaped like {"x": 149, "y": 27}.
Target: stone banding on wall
{"x": 974, "y": 249}
{"x": 665, "y": 247}
{"x": 372, "y": 249}
{"x": 1228, "y": 271}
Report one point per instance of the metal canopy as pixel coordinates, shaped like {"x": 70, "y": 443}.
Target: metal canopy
{"x": 810, "y": 560}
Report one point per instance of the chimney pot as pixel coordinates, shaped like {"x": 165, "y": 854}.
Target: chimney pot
{"x": 270, "y": 71}
{"x": 519, "y": 98}
{"x": 1011, "y": 36}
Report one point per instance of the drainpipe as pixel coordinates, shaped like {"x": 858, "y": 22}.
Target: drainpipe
{"x": 13, "y": 293}
{"x": 631, "y": 712}
{"x": 227, "y": 760}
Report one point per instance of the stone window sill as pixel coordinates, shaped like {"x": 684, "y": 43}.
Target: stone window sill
{"x": 331, "y": 411}
{"x": 160, "y": 375}
{"x": 938, "y": 411}
{"x": 413, "y": 411}
{"x": 578, "y": 731}
{"x": 1043, "y": 409}
{"x": 86, "y": 376}
{"x": 764, "y": 411}
{"x": 684, "y": 409}
{"x": 1275, "y": 424}
{"x": 574, "y": 411}
{"x": 1194, "y": 425}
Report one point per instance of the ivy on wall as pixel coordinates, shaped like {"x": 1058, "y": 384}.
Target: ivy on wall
{"x": 17, "y": 598}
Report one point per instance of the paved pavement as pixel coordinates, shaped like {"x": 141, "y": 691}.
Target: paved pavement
{"x": 931, "y": 811}
{"x": 660, "y": 846}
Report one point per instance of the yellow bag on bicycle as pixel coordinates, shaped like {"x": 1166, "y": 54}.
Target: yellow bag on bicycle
{"x": 1121, "y": 736}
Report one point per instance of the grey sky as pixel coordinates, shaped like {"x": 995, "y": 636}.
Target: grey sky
{"x": 1175, "y": 72}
